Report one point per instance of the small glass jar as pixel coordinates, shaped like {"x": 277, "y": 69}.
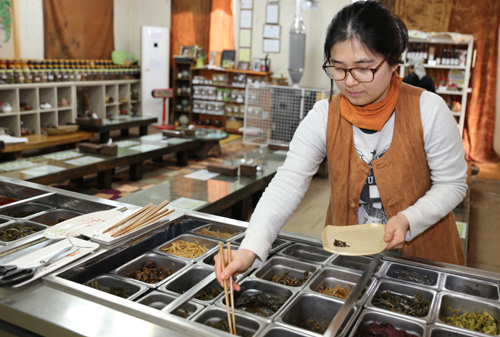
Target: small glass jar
{"x": 3, "y": 76}
{"x": 28, "y": 76}
{"x": 43, "y": 76}
{"x": 71, "y": 75}
{"x": 19, "y": 76}
{"x": 50, "y": 74}
{"x": 36, "y": 75}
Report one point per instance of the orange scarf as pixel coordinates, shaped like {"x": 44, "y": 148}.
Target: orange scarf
{"x": 372, "y": 116}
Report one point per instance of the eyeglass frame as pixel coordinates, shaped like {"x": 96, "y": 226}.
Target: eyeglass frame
{"x": 349, "y": 70}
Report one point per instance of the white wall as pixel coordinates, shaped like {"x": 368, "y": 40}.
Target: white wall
{"x": 130, "y": 15}
{"x": 316, "y": 22}
{"x": 29, "y": 22}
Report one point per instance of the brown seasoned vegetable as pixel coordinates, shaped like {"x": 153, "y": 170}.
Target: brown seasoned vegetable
{"x": 337, "y": 291}
{"x": 118, "y": 291}
{"x": 222, "y": 325}
{"x": 413, "y": 306}
{"x": 150, "y": 272}
{"x": 339, "y": 243}
{"x": 314, "y": 325}
{"x": 208, "y": 294}
{"x": 216, "y": 233}
{"x": 484, "y": 323}
{"x": 289, "y": 281}
{"x": 17, "y": 231}
{"x": 383, "y": 329}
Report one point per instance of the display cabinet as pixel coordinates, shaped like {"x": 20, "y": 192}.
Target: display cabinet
{"x": 218, "y": 96}
{"x": 448, "y": 59}
{"x": 181, "y": 103}
{"x": 30, "y": 108}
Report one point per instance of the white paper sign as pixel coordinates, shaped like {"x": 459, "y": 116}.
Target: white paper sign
{"x": 272, "y": 14}
{"x": 271, "y": 46}
{"x": 246, "y": 19}
{"x": 272, "y": 31}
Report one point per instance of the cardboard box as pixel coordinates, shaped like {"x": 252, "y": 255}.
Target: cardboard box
{"x": 248, "y": 169}
{"x": 109, "y": 150}
{"x": 90, "y": 147}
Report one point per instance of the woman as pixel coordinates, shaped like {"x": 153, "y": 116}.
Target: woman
{"x": 395, "y": 155}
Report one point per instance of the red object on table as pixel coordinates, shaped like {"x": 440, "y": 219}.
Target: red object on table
{"x": 164, "y": 93}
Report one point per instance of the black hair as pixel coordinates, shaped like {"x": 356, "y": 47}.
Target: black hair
{"x": 370, "y": 22}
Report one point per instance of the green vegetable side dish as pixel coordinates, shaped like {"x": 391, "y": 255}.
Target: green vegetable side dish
{"x": 484, "y": 323}
{"x": 413, "y": 306}
{"x": 17, "y": 231}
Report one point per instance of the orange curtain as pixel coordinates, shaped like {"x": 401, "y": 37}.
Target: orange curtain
{"x": 190, "y": 24}
{"x": 222, "y": 26}
{"x": 481, "y": 19}
{"x": 78, "y": 29}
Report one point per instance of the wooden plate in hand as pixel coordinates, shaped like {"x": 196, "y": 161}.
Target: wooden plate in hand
{"x": 366, "y": 239}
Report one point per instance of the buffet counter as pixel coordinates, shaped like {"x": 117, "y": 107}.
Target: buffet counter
{"x": 98, "y": 294}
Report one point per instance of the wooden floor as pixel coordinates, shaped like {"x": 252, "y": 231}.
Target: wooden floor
{"x": 484, "y": 223}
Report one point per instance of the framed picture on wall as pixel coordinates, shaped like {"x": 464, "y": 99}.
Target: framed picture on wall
{"x": 228, "y": 58}
{"x": 189, "y": 51}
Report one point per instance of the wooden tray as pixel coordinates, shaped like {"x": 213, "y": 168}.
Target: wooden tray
{"x": 61, "y": 129}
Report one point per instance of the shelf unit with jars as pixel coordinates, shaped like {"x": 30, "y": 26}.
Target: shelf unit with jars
{"x": 181, "y": 103}
{"x": 30, "y": 108}
{"x": 218, "y": 96}
{"x": 448, "y": 60}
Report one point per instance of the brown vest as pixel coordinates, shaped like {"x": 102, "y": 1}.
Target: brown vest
{"x": 402, "y": 177}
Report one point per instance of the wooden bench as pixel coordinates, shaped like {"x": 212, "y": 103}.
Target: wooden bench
{"x": 40, "y": 141}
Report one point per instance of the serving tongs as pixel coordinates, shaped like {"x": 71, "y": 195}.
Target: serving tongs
{"x": 11, "y": 275}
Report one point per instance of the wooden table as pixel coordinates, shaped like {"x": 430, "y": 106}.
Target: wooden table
{"x": 40, "y": 141}
{"x": 122, "y": 123}
{"x": 49, "y": 169}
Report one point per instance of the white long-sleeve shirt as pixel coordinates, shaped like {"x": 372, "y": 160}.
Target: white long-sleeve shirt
{"x": 445, "y": 158}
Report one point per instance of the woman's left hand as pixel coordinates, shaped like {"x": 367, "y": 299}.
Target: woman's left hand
{"x": 395, "y": 231}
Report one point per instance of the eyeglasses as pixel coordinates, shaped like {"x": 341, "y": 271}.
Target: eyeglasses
{"x": 362, "y": 75}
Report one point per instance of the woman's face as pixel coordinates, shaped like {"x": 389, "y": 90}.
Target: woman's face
{"x": 350, "y": 54}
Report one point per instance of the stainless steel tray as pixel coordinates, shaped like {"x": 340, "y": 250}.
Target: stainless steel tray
{"x": 248, "y": 326}
{"x": 279, "y": 266}
{"x": 308, "y": 307}
{"x": 367, "y": 316}
{"x": 412, "y": 275}
{"x": 186, "y": 280}
{"x": 210, "y": 244}
{"x": 404, "y": 290}
{"x": 163, "y": 261}
{"x": 54, "y": 216}
{"x": 306, "y": 253}
{"x": 132, "y": 289}
{"x": 471, "y": 286}
{"x": 234, "y": 231}
{"x": 463, "y": 303}
{"x": 159, "y": 300}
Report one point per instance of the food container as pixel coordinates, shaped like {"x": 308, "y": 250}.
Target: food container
{"x": 231, "y": 231}
{"x": 186, "y": 280}
{"x": 22, "y": 224}
{"x": 412, "y": 275}
{"x": 159, "y": 300}
{"x": 405, "y": 290}
{"x": 281, "y": 330}
{"x": 130, "y": 290}
{"x": 306, "y": 253}
{"x": 267, "y": 299}
{"x": 311, "y": 313}
{"x": 464, "y": 304}
{"x": 331, "y": 278}
{"x": 245, "y": 326}
{"x": 208, "y": 243}
{"x": 162, "y": 261}
{"x": 276, "y": 246}
{"x": 53, "y": 217}
{"x": 18, "y": 192}
{"x": 280, "y": 268}
{"x": 74, "y": 204}
{"x": 470, "y": 286}
{"x": 355, "y": 264}
{"x": 24, "y": 210}
{"x": 368, "y": 316}
{"x": 434, "y": 330}
{"x": 209, "y": 294}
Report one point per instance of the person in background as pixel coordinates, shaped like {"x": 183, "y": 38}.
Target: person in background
{"x": 419, "y": 78}
{"x": 395, "y": 155}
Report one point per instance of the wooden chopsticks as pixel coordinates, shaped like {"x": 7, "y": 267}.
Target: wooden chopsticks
{"x": 230, "y": 311}
{"x": 143, "y": 217}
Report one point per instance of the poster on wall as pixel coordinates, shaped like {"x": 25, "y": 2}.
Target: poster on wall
{"x": 6, "y": 25}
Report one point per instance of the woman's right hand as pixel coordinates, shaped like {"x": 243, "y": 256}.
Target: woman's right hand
{"x": 241, "y": 260}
